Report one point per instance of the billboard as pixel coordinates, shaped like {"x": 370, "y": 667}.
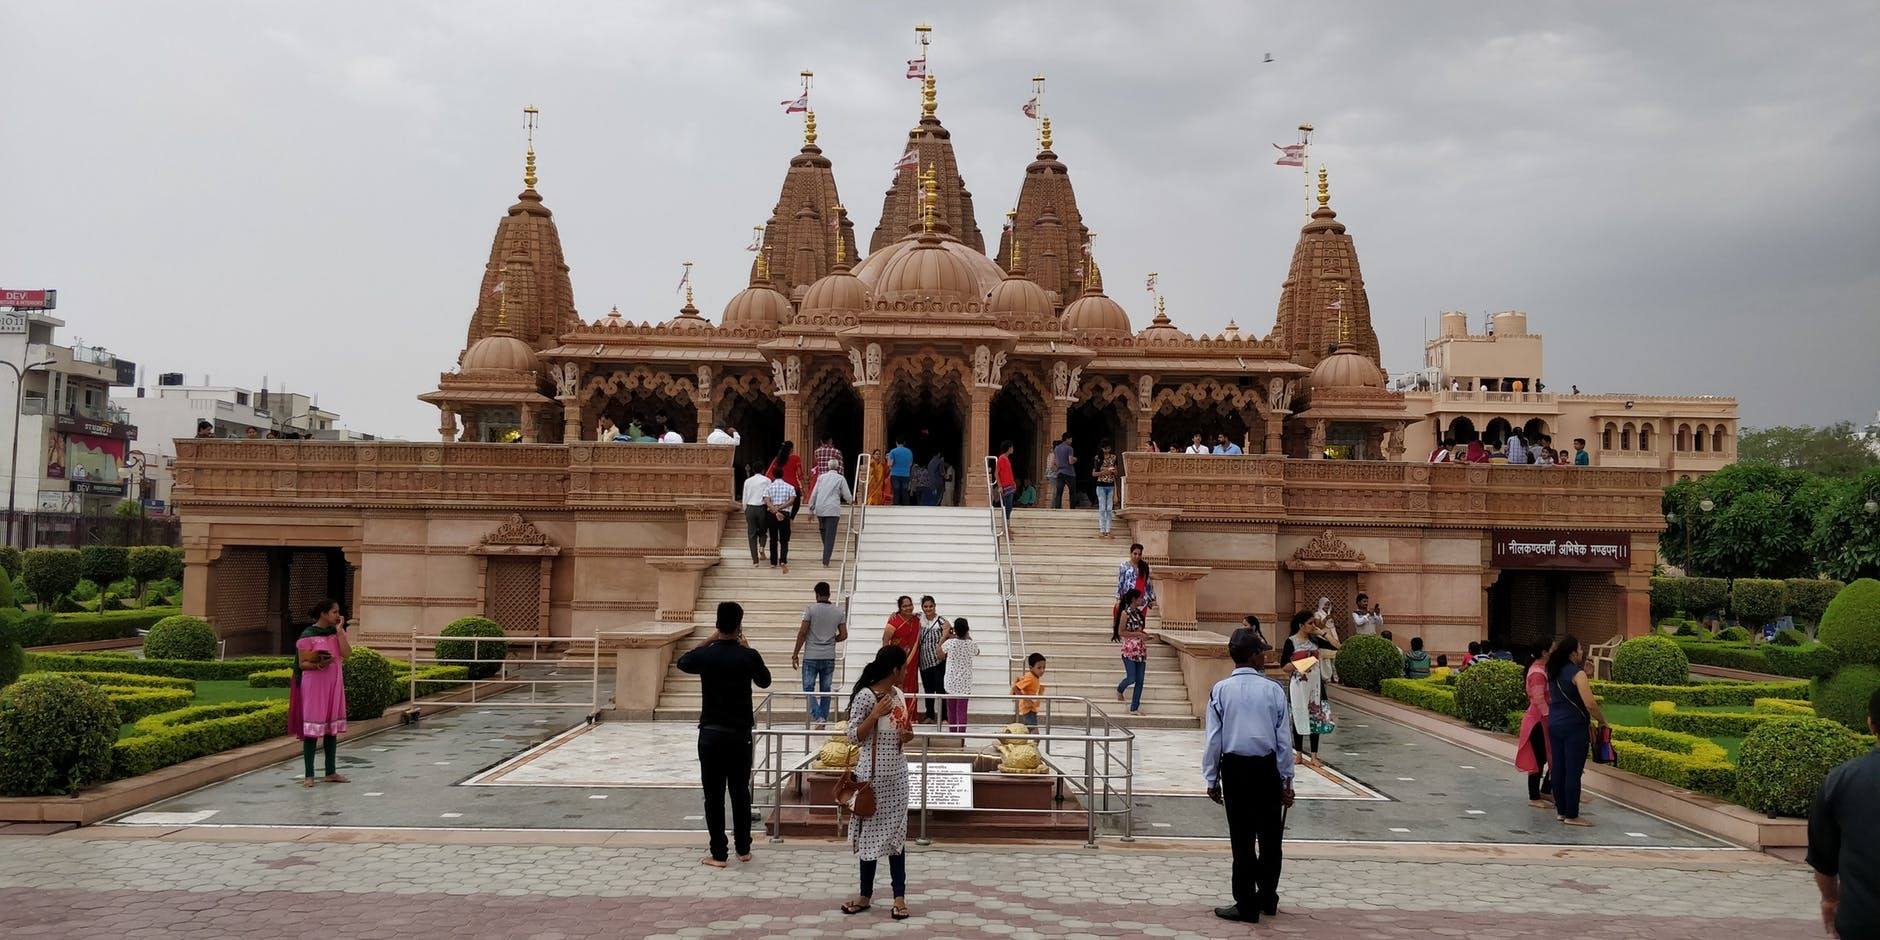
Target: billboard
{"x": 12, "y": 322}
{"x": 1561, "y": 549}
{"x": 29, "y": 299}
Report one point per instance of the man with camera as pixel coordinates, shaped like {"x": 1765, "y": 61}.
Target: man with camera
{"x": 727, "y": 668}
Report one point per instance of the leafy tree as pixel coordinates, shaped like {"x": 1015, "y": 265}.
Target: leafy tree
{"x": 1833, "y": 451}
{"x": 1758, "y": 523}
{"x": 1846, "y": 535}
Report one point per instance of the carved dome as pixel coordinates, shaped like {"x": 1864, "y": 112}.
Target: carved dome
{"x": 757, "y": 306}
{"x": 1019, "y": 296}
{"x": 928, "y": 271}
{"x": 986, "y": 274}
{"x": 689, "y": 318}
{"x": 1162, "y": 328}
{"x": 838, "y": 291}
{"x": 1346, "y": 367}
{"x": 1096, "y": 313}
{"x": 499, "y": 352}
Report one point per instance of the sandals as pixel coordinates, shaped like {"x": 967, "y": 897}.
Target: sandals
{"x": 850, "y": 907}
{"x": 899, "y": 911}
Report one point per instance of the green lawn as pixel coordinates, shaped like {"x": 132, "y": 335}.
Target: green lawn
{"x": 224, "y": 690}
{"x": 1640, "y": 716}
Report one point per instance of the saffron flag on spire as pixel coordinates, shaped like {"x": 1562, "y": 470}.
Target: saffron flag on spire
{"x": 796, "y": 105}
{"x": 1031, "y": 108}
{"x": 917, "y": 68}
{"x": 909, "y": 160}
{"x": 1290, "y": 155}
{"x": 684, "y": 279}
{"x": 1338, "y": 304}
{"x": 498, "y": 288}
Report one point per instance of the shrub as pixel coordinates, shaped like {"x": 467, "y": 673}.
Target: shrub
{"x": 1421, "y": 693}
{"x": 1784, "y": 706}
{"x": 1851, "y": 624}
{"x": 12, "y": 661}
{"x": 489, "y": 656}
{"x": 180, "y": 637}
{"x": 8, "y": 601}
{"x": 1735, "y": 635}
{"x": 1727, "y": 655}
{"x": 1758, "y": 600}
{"x": 45, "y": 629}
{"x": 1782, "y": 763}
{"x": 1843, "y": 696}
{"x": 103, "y": 564}
{"x": 1699, "y": 693}
{"x": 1363, "y": 661}
{"x": 1691, "y": 628}
{"x": 1703, "y": 595}
{"x": 1682, "y": 760}
{"x": 1789, "y": 636}
{"x": 10, "y": 561}
{"x": 181, "y": 668}
{"x": 1668, "y": 596}
{"x": 55, "y": 736}
{"x": 173, "y": 737}
{"x": 136, "y": 696}
{"x": 370, "y": 686}
{"x": 66, "y": 605}
{"x": 50, "y": 573}
{"x": 1666, "y": 716}
{"x": 1650, "y": 660}
{"x": 110, "y": 602}
{"x": 147, "y": 563}
{"x": 1809, "y": 598}
{"x": 1487, "y": 691}
{"x": 1805, "y": 661}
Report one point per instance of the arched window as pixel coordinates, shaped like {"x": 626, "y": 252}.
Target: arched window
{"x": 1684, "y": 438}
{"x": 1716, "y": 439}
{"x": 1496, "y": 433}
{"x": 1534, "y": 429}
{"x": 1644, "y": 437}
{"x": 1703, "y": 431}
{"x": 1625, "y": 436}
{"x": 1605, "y": 436}
{"x": 1462, "y": 430}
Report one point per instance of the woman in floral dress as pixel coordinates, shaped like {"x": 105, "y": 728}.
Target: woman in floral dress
{"x": 881, "y": 723}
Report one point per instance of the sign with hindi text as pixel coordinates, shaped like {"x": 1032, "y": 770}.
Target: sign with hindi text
{"x": 1561, "y": 549}
{"x": 949, "y": 785}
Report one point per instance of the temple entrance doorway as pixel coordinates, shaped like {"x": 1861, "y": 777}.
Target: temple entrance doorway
{"x": 929, "y": 425}
{"x": 1529, "y": 609}
{"x": 1017, "y": 415}
{"x": 261, "y": 596}
{"x": 1090, "y": 423}
{"x": 834, "y": 411}
{"x": 1175, "y": 429}
{"x": 759, "y": 420}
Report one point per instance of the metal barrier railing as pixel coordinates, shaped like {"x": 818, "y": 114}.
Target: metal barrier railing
{"x": 1081, "y": 759}
{"x": 514, "y": 674}
{"x": 851, "y": 546}
{"x": 1010, "y": 610}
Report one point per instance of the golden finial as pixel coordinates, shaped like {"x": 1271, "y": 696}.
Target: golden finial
{"x": 529, "y": 115}
{"x": 930, "y": 182}
{"x": 841, "y": 251}
{"x": 502, "y": 305}
{"x": 809, "y": 128}
{"x": 1093, "y": 279}
{"x": 1325, "y": 189}
{"x": 1344, "y": 325}
{"x": 1044, "y": 134}
{"x": 929, "y": 97}
{"x": 1161, "y": 309}
{"x": 688, "y": 282}
{"x": 763, "y": 262}
{"x": 1011, "y": 225}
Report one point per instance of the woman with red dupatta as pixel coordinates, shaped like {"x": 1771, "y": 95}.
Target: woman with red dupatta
{"x": 904, "y": 631}
{"x": 1531, "y": 753}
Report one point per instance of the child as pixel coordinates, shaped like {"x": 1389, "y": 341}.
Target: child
{"x": 1475, "y": 652}
{"x": 1417, "y": 664}
{"x": 958, "y": 653}
{"x": 1031, "y": 683}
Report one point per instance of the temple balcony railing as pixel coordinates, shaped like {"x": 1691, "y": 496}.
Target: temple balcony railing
{"x": 382, "y": 474}
{"x": 1279, "y": 489}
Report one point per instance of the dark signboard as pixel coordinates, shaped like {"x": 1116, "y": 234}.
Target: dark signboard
{"x": 75, "y": 424}
{"x": 126, "y": 373}
{"x": 1569, "y": 549}
{"x": 97, "y": 487}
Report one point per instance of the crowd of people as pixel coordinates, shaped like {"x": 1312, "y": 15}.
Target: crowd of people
{"x": 774, "y": 496}
{"x": 1516, "y": 449}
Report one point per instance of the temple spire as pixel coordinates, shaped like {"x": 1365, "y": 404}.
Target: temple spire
{"x": 525, "y": 289}
{"x": 929, "y": 144}
{"x": 1323, "y": 301}
{"x": 1048, "y": 219}
{"x": 803, "y": 236}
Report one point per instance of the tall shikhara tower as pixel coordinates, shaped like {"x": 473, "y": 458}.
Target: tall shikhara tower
{"x": 932, "y": 145}
{"x": 1047, "y": 222}
{"x": 1323, "y": 300}
{"x": 536, "y": 300}
{"x": 801, "y": 235}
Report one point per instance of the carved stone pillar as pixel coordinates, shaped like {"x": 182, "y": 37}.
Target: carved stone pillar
{"x": 874, "y": 421}
{"x": 707, "y": 417}
{"x": 1275, "y": 429}
{"x": 527, "y": 416}
{"x": 471, "y": 427}
{"x": 978, "y": 445}
{"x": 1057, "y": 419}
{"x": 570, "y": 418}
{"x": 1145, "y": 428}
{"x": 446, "y": 424}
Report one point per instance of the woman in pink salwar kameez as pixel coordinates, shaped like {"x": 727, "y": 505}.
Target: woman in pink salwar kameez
{"x": 316, "y": 695}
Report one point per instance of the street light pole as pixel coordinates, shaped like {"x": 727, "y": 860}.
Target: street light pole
{"x": 13, "y": 466}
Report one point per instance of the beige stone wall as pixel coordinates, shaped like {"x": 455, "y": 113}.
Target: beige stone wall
{"x": 1654, "y": 423}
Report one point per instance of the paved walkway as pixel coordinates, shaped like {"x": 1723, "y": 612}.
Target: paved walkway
{"x": 82, "y": 885}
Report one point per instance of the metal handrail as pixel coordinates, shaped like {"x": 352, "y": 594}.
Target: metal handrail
{"x": 850, "y": 571}
{"x": 509, "y": 676}
{"x": 1010, "y": 610}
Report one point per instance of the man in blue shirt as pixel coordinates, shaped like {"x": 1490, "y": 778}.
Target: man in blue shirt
{"x": 1248, "y": 766}
{"x": 900, "y": 472}
{"x": 1226, "y": 447}
{"x": 1064, "y": 459}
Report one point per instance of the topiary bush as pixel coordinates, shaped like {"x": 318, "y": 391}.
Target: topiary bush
{"x": 1807, "y": 661}
{"x": 1809, "y": 598}
{"x": 55, "y": 736}
{"x": 103, "y": 564}
{"x": 1431, "y": 694}
{"x": 147, "y": 563}
{"x": 1781, "y": 764}
{"x": 1757, "y": 601}
{"x": 1650, "y": 660}
{"x": 1487, "y": 691}
{"x": 1667, "y": 597}
{"x": 1364, "y": 661}
{"x": 1851, "y": 624}
{"x": 180, "y": 637}
{"x": 10, "y": 561}
{"x": 489, "y": 656}
{"x": 175, "y": 736}
{"x": 12, "y": 661}
{"x": 50, "y": 573}
{"x": 1789, "y": 636}
{"x": 1843, "y": 695}
{"x": 370, "y": 687}
{"x": 7, "y": 599}
{"x": 1735, "y": 635}
{"x": 1703, "y": 595}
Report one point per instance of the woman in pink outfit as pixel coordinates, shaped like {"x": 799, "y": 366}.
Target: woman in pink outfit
{"x": 316, "y": 695}
{"x": 1531, "y": 754}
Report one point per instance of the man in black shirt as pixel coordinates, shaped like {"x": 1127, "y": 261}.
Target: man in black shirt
{"x": 726, "y": 669}
{"x": 1844, "y": 842}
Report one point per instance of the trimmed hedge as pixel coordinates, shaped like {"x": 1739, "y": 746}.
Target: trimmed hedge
{"x": 180, "y": 637}
{"x": 45, "y": 629}
{"x": 1784, "y": 706}
{"x": 50, "y": 573}
{"x": 1665, "y": 716}
{"x": 489, "y": 656}
{"x": 1701, "y": 693}
{"x": 1724, "y": 655}
{"x": 10, "y": 561}
{"x": 1843, "y": 696}
{"x": 370, "y": 685}
{"x": 1782, "y": 763}
{"x": 1809, "y": 598}
{"x": 136, "y": 696}
{"x": 103, "y": 564}
{"x": 1805, "y": 661}
{"x": 1668, "y": 596}
{"x": 1703, "y": 595}
{"x": 401, "y": 676}
{"x": 1735, "y": 635}
{"x": 1851, "y": 624}
{"x": 55, "y": 736}
{"x": 1363, "y": 661}
{"x": 1681, "y": 760}
{"x": 1789, "y": 636}
{"x": 181, "y": 668}
{"x": 1758, "y": 601}
{"x": 173, "y": 737}
{"x": 1429, "y": 694}
{"x": 1650, "y": 660}
{"x": 1488, "y": 690}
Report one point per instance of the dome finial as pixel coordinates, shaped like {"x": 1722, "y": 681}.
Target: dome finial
{"x": 763, "y": 263}
{"x": 929, "y": 98}
{"x": 1011, "y": 225}
{"x": 809, "y": 129}
{"x": 1325, "y": 189}
{"x": 529, "y": 115}
{"x": 1344, "y": 324}
{"x": 1044, "y": 134}
{"x": 687, "y": 278}
{"x": 931, "y": 182}
{"x": 840, "y": 213}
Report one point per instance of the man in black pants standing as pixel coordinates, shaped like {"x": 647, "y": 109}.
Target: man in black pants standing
{"x": 726, "y": 669}
{"x": 1248, "y": 766}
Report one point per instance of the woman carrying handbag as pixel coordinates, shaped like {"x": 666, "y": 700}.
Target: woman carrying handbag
{"x": 880, "y": 722}
{"x": 1572, "y": 711}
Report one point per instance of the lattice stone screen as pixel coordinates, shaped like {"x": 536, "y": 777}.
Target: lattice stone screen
{"x": 512, "y": 594}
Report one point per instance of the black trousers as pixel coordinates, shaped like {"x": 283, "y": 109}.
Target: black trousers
{"x": 826, "y": 525}
{"x": 933, "y": 679}
{"x": 756, "y": 521}
{"x": 724, "y": 762}
{"x": 1251, "y": 786}
{"x": 779, "y": 540}
{"x": 1539, "y": 783}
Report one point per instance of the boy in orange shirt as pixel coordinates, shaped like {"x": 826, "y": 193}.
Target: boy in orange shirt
{"x": 1031, "y": 683}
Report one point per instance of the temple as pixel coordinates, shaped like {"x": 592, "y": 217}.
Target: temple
{"x": 518, "y": 512}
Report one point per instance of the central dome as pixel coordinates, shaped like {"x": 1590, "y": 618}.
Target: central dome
{"x": 499, "y": 352}
{"x": 928, "y": 271}
{"x": 985, "y": 274}
{"x": 1346, "y": 367}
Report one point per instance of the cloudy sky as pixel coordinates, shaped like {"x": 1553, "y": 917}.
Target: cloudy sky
{"x": 1682, "y": 196}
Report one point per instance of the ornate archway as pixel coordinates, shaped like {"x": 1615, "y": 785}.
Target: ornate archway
{"x": 833, "y": 409}
{"x": 1210, "y": 407}
{"x": 1018, "y": 414}
{"x": 640, "y": 394}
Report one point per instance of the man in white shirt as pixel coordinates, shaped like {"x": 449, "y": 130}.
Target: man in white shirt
{"x": 756, "y": 518}
{"x": 723, "y": 435}
{"x": 671, "y": 437}
{"x": 777, "y": 500}
{"x": 1196, "y": 447}
{"x": 1367, "y": 617}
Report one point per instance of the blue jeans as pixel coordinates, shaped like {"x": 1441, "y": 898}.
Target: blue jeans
{"x": 1567, "y": 740}
{"x": 1133, "y": 673}
{"x": 1104, "y": 492}
{"x": 899, "y": 485}
{"x": 818, "y": 671}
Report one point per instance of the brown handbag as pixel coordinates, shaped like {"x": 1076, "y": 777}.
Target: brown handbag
{"x": 858, "y": 796}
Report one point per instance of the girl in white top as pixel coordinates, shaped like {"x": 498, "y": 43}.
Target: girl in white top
{"x": 958, "y": 651}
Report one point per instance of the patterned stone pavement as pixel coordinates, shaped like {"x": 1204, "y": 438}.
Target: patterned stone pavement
{"x": 82, "y": 885}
